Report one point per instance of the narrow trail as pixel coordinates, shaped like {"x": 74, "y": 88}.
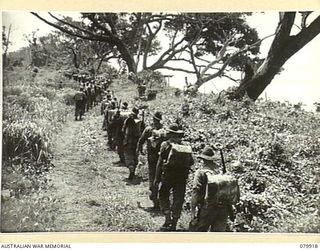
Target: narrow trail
{"x": 92, "y": 194}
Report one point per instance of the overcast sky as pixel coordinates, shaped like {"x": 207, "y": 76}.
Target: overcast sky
{"x": 299, "y": 81}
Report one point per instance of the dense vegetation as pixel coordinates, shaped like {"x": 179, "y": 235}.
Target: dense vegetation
{"x": 273, "y": 148}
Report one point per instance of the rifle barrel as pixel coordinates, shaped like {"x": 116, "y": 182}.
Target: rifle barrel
{"x": 224, "y": 170}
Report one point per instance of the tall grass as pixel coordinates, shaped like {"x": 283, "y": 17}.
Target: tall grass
{"x": 34, "y": 109}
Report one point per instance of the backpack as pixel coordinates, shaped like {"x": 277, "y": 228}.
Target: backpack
{"x": 221, "y": 189}
{"x": 158, "y": 136}
{"x": 79, "y": 96}
{"x": 133, "y": 127}
{"x": 180, "y": 156}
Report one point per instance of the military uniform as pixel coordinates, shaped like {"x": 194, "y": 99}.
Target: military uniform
{"x": 109, "y": 114}
{"x": 153, "y": 155}
{"x": 79, "y": 104}
{"x": 131, "y": 137}
{"x": 212, "y": 215}
{"x": 173, "y": 178}
{"x": 118, "y": 122}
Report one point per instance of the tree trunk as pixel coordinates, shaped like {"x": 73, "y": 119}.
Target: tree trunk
{"x": 263, "y": 77}
{"x": 126, "y": 55}
{"x": 283, "y": 47}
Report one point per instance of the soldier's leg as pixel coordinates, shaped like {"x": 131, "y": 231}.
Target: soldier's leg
{"x": 205, "y": 220}
{"x": 164, "y": 195}
{"x": 219, "y": 223}
{"x": 109, "y": 136}
{"x": 120, "y": 152}
{"x": 152, "y": 163}
{"x": 76, "y": 114}
{"x": 113, "y": 134}
{"x": 130, "y": 161}
{"x": 87, "y": 103}
{"x": 179, "y": 191}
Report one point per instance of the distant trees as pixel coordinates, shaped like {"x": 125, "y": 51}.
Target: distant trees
{"x": 5, "y": 43}
{"x": 202, "y": 40}
{"x": 216, "y": 43}
{"x": 208, "y": 45}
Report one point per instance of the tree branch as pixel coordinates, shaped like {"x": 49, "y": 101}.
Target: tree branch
{"x": 177, "y": 69}
{"x": 303, "y": 37}
{"x": 67, "y": 31}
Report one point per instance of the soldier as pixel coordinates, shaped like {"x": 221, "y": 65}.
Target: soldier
{"x": 141, "y": 89}
{"x": 131, "y": 131}
{"x": 185, "y": 108}
{"x": 79, "y": 98}
{"x": 88, "y": 95}
{"x": 172, "y": 171}
{"x": 154, "y": 141}
{"x": 109, "y": 113}
{"x": 104, "y": 105}
{"x": 118, "y": 121}
{"x": 211, "y": 204}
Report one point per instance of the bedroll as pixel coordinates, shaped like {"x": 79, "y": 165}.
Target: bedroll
{"x": 179, "y": 156}
{"x": 222, "y": 190}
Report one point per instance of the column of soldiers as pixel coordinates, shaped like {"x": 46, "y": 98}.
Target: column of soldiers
{"x": 91, "y": 90}
{"x": 169, "y": 163}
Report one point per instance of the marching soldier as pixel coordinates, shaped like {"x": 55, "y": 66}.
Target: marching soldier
{"x": 118, "y": 122}
{"x": 210, "y": 207}
{"x": 79, "y": 98}
{"x": 109, "y": 113}
{"x": 154, "y": 138}
{"x": 131, "y": 131}
{"x": 172, "y": 171}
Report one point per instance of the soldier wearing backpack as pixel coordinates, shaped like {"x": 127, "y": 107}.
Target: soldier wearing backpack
{"x": 79, "y": 98}
{"x": 108, "y": 114}
{"x": 213, "y": 196}
{"x": 172, "y": 172}
{"x": 154, "y": 135}
{"x": 118, "y": 120}
{"x": 131, "y": 131}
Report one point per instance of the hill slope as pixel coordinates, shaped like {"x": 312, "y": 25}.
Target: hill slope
{"x": 272, "y": 148}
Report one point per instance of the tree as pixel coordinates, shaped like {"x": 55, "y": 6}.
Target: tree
{"x": 5, "y": 44}
{"x": 216, "y": 43}
{"x": 130, "y": 33}
{"x": 283, "y": 47}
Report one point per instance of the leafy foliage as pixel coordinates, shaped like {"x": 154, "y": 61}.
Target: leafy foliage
{"x": 272, "y": 148}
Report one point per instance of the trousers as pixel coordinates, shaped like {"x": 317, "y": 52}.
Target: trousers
{"x": 178, "y": 188}
{"x": 213, "y": 219}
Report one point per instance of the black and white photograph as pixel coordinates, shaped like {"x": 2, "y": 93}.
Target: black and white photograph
{"x": 160, "y": 122}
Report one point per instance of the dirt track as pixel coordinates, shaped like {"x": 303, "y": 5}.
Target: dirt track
{"x": 92, "y": 194}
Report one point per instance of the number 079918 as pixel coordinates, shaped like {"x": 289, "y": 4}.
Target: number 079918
{"x": 309, "y": 246}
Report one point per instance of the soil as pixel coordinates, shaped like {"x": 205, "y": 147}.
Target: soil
{"x": 86, "y": 182}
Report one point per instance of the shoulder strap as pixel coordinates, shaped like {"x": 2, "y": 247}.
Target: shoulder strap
{"x": 206, "y": 171}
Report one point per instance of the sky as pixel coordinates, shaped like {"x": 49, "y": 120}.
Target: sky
{"x": 299, "y": 82}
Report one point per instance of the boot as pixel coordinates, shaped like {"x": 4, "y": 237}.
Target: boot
{"x": 131, "y": 174}
{"x": 167, "y": 223}
{"x": 174, "y": 224}
{"x": 156, "y": 206}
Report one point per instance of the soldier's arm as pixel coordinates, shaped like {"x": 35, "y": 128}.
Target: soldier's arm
{"x": 160, "y": 163}
{"x": 145, "y": 135}
{"x": 198, "y": 191}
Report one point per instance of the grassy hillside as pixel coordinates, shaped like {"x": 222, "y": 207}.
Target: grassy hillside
{"x": 273, "y": 148}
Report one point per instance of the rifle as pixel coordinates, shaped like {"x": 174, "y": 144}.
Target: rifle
{"x": 224, "y": 170}
{"x": 219, "y": 146}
